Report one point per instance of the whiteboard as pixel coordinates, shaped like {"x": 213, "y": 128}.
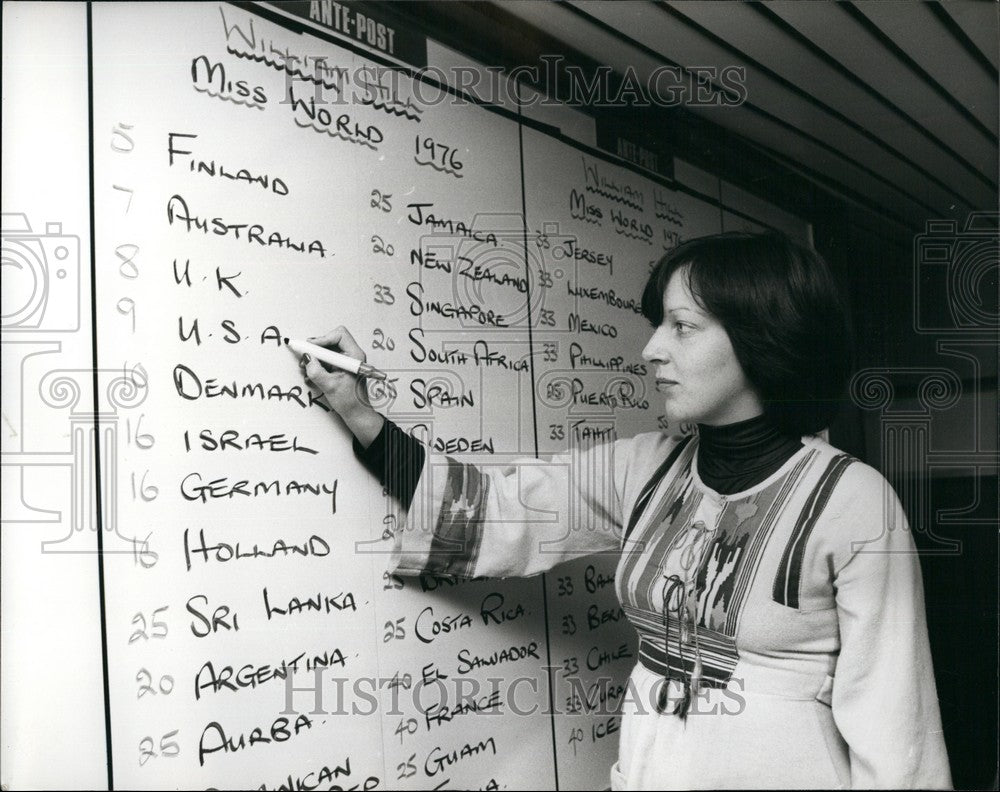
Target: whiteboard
{"x": 312, "y": 226}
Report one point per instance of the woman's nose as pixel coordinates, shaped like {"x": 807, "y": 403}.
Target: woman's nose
{"x": 655, "y": 350}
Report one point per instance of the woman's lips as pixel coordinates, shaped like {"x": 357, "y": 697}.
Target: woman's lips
{"x": 664, "y": 384}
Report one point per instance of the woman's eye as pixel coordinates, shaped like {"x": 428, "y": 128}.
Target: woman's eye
{"x": 683, "y": 328}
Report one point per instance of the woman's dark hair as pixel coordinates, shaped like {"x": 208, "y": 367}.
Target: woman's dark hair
{"x": 784, "y": 314}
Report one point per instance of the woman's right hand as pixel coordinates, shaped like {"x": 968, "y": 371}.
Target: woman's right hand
{"x": 345, "y": 392}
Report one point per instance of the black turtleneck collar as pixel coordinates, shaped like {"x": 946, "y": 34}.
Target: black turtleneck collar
{"x": 738, "y": 456}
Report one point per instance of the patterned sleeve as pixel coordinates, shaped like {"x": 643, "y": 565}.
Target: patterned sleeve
{"x": 519, "y": 517}
{"x": 884, "y": 696}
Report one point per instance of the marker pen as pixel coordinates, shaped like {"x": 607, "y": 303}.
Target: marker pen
{"x": 343, "y": 362}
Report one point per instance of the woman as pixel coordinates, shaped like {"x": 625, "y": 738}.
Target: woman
{"x": 772, "y": 578}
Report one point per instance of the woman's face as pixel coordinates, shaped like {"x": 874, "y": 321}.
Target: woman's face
{"x": 696, "y": 368}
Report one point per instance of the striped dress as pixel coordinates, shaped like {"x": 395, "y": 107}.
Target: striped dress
{"x": 783, "y": 641}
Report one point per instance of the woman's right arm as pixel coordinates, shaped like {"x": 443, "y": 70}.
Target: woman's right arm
{"x": 513, "y": 518}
